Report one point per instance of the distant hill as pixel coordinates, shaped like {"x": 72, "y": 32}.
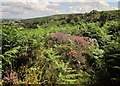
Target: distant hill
{"x": 93, "y": 16}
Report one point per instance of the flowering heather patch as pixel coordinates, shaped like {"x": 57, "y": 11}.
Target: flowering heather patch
{"x": 11, "y": 78}
{"x": 78, "y": 40}
{"x": 58, "y": 37}
{"x": 77, "y": 50}
{"x": 81, "y": 43}
{"x": 61, "y": 38}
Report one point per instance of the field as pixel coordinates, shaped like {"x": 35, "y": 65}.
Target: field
{"x": 77, "y": 49}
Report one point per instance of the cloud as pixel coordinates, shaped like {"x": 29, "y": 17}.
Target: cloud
{"x": 28, "y": 8}
{"x": 82, "y": 7}
{"x": 35, "y": 8}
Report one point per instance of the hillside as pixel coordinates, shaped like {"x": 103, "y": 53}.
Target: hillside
{"x": 78, "y": 49}
{"x": 93, "y": 16}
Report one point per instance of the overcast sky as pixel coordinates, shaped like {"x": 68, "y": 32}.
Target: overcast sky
{"x": 38, "y": 8}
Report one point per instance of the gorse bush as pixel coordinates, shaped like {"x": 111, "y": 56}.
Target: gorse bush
{"x": 70, "y": 49}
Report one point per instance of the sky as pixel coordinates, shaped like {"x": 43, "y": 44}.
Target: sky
{"x": 23, "y": 9}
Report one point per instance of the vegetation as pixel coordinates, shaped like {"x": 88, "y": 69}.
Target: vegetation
{"x": 78, "y": 49}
